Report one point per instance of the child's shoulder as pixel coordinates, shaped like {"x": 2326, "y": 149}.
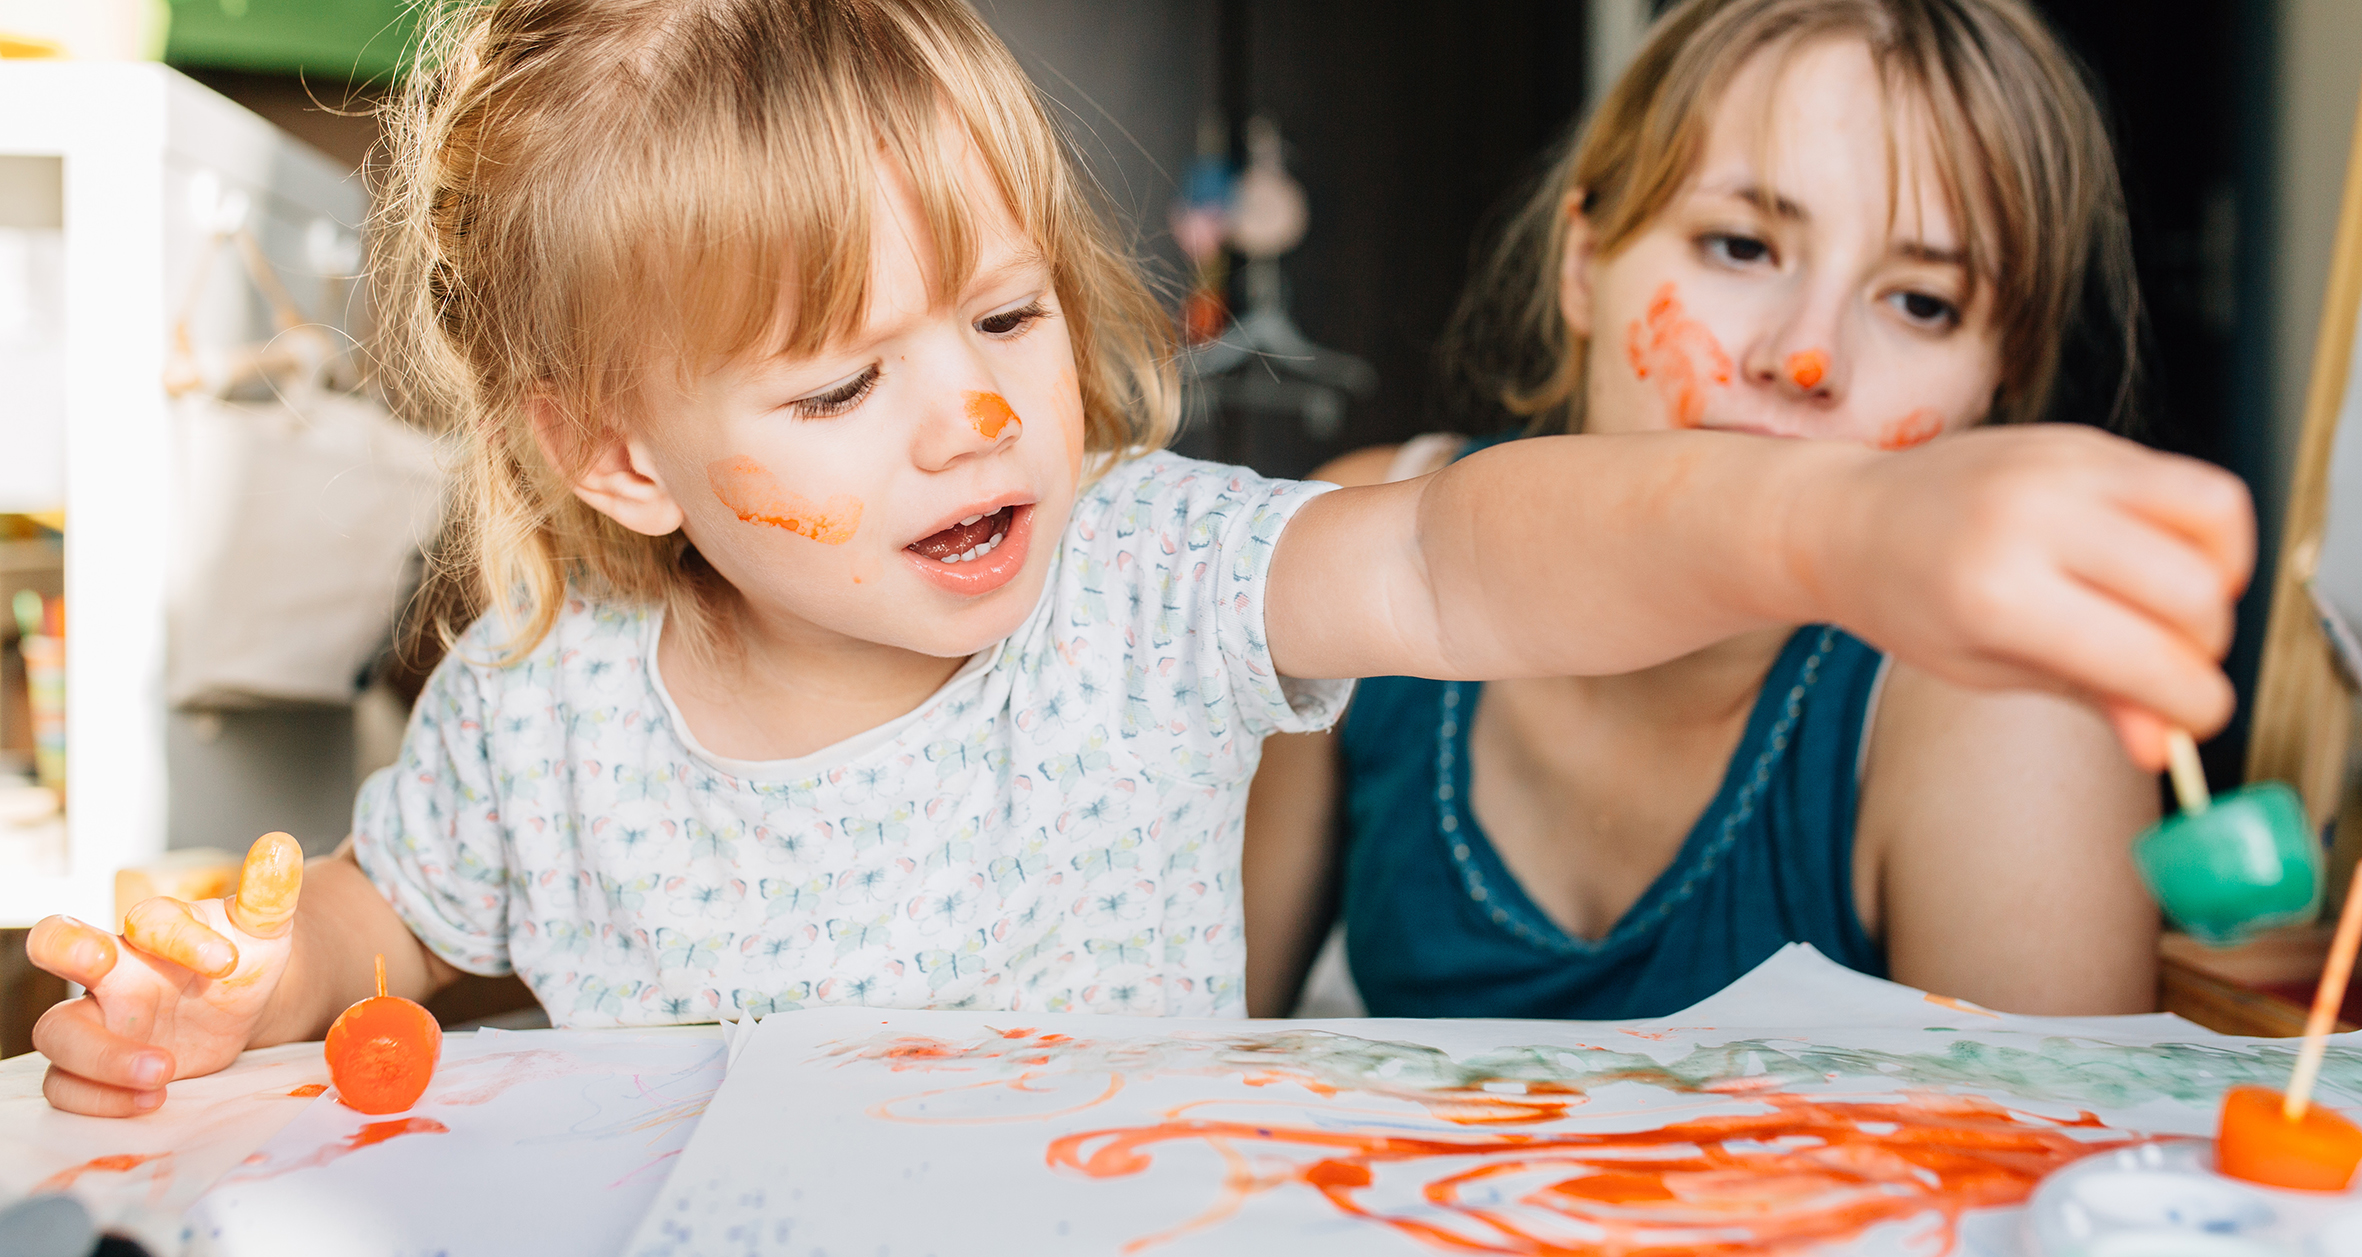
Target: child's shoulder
{"x": 1163, "y": 487}
{"x": 585, "y": 632}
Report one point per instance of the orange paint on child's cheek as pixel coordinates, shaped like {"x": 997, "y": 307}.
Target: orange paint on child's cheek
{"x": 988, "y": 413}
{"x": 1680, "y": 354}
{"x": 755, "y": 495}
{"x": 1807, "y": 366}
{"x": 1917, "y": 428}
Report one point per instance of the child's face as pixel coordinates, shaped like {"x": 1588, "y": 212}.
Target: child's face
{"x": 906, "y": 487}
{"x": 1798, "y": 299}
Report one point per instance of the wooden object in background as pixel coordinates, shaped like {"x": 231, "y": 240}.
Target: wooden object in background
{"x": 25, "y": 994}
{"x": 2303, "y": 706}
{"x": 2262, "y": 987}
{"x": 191, "y": 873}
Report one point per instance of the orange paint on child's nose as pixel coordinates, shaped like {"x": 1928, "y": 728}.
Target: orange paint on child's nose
{"x": 1680, "y": 354}
{"x": 1807, "y": 367}
{"x": 755, "y": 495}
{"x": 2257, "y": 1142}
{"x": 988, "y": 413}
{"x": 1917, "y": 428}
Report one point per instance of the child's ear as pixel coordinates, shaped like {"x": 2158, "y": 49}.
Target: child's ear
{"x": 617, "y": 477}
{"x": 1574, "y": 273}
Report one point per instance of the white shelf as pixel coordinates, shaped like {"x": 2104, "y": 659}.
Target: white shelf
{"x": 140, "y": 146}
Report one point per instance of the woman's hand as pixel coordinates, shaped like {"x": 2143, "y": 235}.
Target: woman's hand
{"x": 2052, "y": 557}
{"x": 181, "y": 993}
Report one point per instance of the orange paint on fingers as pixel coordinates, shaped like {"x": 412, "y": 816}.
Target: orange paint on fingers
{"x": 268, "y": 885}
{"x": 1807, "y": 367}
{"x": 1680, "y": 354}
{"x": 164, "y": 927}
{"x": 1917, "y": 428}
{"x": 74, "y": 950}
{"x": 988, "y": 413}
{"x": 755, "y": 495}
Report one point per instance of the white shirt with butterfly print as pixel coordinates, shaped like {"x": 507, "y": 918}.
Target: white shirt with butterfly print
{"x": 1057, "y": 829}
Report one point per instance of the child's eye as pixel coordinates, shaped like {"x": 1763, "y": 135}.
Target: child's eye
{"x": 1927, "y": 310}
{"x": 1733, "y": 250}
{"x": 837, "y": 398}
{"x": 1008, "y": 323}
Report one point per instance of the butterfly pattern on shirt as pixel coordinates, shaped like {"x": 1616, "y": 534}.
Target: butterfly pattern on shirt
{"x": 1057, "y": 829}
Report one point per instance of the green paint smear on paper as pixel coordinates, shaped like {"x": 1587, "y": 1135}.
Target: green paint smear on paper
{"x": 2054, "y": 1069}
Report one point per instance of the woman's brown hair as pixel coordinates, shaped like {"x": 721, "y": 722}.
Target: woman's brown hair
{"x": 2022, "y": 156}
{"x": 583, "y": 192}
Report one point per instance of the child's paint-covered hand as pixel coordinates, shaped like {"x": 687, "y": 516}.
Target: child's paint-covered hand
{"x": 179, "y": 994}
{"x": 2052, "y": 557}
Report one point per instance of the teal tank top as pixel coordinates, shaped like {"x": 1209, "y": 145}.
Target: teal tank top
{"x": 1436, "y": 926}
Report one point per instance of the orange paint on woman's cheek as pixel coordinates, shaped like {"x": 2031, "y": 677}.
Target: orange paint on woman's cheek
{"x": 755, "y": 495}
{"x": 1680, "y": 354}
{"x": 1807, "y": 367}
{"x": 988, "y": 413}
{"x": 1917, "y": 428}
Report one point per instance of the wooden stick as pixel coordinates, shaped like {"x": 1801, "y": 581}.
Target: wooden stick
{"x": 2326, "y": 1001}
{"x": 2189, "y": 780}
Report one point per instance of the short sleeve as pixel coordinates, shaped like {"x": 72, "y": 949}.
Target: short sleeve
{"x": 1188, "y": 545}
{"x": 427, "y": 829}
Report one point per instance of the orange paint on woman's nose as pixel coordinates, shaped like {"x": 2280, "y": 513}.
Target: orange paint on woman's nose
{"x": 988, "y": 413}
{"x": 1680, "y": 354}
{"x": 1807, "y": 367}
{"x": 755, "y": 495}
{"x": 1917, "y": 428}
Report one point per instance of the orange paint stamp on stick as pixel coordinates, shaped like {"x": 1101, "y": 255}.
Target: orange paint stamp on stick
{"x": 755, "y": 495}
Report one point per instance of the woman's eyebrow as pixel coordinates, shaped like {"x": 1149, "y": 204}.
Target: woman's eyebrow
{"x": 1764, "y": 200}
{"x": 1922, "y": 251}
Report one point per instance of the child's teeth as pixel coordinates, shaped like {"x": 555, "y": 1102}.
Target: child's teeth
{"x": 970, "y": 520}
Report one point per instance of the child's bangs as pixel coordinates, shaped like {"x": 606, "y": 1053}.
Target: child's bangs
{"x": 738, "y": 221}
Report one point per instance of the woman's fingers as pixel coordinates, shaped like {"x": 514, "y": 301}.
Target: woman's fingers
{"x": 164, "y": 927}
{"x": 95, "y": 1070}
{"x": 77, "y": 951}
{"x": 2162, "y": 575}
{"x": 268, "y": 886}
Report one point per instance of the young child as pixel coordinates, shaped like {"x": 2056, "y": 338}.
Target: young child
{"x": 852, "y": 644}
{"x": 1866, "y": 221}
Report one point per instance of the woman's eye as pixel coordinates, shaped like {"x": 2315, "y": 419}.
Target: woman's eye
{"x": 1008, "y": 323}
{"x": 1926, "y": 310}
{"x": 1735, "y": 250}
{"x": 837, "y": 398}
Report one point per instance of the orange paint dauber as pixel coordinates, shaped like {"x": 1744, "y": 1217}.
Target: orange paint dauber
{"x": 382, "y": 1052}
{"x": 2285, "y": 1140}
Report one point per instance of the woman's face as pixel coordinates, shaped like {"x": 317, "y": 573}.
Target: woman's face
{"x": 1783, "y": 290}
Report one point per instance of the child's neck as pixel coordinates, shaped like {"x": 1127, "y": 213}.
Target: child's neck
{"x": 778, "y": 690}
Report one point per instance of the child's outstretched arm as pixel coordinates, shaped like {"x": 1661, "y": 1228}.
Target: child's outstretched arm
{"x": 2052, "y": 557}
{"x": 187, "y": 986}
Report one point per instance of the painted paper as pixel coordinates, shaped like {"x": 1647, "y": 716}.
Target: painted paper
{"x": 547, "y": 1141}
{"x": 1892, "y": 1121}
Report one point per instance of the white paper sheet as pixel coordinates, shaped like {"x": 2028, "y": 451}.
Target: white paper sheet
{"x": 1891, "y": 1121}
{"x": 137, "y": 1174}
{"x": 536, "y": 1141}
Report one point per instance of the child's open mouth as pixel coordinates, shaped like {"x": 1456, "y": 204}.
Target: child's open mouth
{"x": 968, "y": 540}
{"x": 977, "y": 555}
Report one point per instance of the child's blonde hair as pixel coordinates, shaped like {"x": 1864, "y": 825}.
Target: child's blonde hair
{"x": 2022, "y": 158}
{"x": 583, "y": 192}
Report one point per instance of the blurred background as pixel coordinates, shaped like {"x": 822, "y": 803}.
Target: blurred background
{"x": 1321, "y": 167}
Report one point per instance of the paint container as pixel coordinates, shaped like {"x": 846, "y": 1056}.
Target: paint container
{"x": 2165, "y": 1200}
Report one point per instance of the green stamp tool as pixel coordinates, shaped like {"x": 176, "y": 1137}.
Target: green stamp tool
{"x": 2229, "y": 867}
